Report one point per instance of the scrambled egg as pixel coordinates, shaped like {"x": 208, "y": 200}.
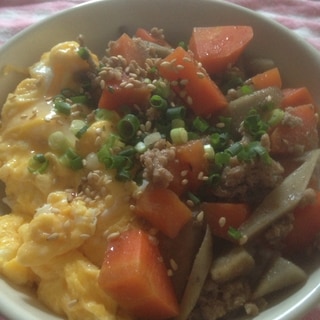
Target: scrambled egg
{"x": 55, "y": 235}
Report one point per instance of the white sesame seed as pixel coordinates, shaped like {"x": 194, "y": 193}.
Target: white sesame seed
{"x": 189, "y": 100}
{"x": 173, "y": 265}
{"x": 129, "y": 85}
{"x": 184, "y": 82}
{"x": 113, "y": 235}
{"x": 102, "y": 84}
{"x": 200, "y": 75}
{"x": 222, "y": 222}
{"x": 200, "y": 216}
{"x": 186, "y": 59}
{"x": 220, "y": 125}
{"x": 84, "y": 236}
{"x": 190, "y": 203}
{"x": 183, "y": 173}
{"x": 165, "y": 64}
{"x": 184, "y": 182}
{"x": 71, "y": 303}
{"x": 53, "y": 236}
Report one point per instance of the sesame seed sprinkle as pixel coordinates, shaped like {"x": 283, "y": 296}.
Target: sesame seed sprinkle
{"x": 222, "y": 222}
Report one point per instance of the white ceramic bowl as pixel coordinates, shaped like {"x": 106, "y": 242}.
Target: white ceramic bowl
{"x": 105, "y": 20}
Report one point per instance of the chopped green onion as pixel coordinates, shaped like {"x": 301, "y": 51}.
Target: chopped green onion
{"x": 62, "y": 106}
{"x": 193, "y": 136}
{"x": 76, "y": 125}
{"x": 183, "y": 45}
{"x": 219, "y": 141}
{"x": 104, "y": 154}
{"x": 222, "y": 158}
{"x": 78, "y": 128}
{"x": 158, "y": 102}
{"x": 195, "y": 200}
{"x": 245, "y": 89}
{"x": 71, "y": 159}
{"x": 83, "y": 99}
{"x": 252, "y": 150}
{"x": 213, "y": 179}
{"x": 58, "y": 142}
{"x": 84, "y": 53}
{"x": 276, "y": 117}
{"x": 209, "y": 151}
{"x": 162, "y": 88}
{"x": 127, "y": 152}
{"x": 123, "y": 175}
{"x": 176, "y": 113}
{"x": 234, "y": 149}
{"x": 128, "y": 126}
{"x": 179, "y": 135}
{"x": 234, "y": 233}
{"x": 67, "y": 92}
{"x": 38, "y": 164}
{"x": 200, "y": 124}
{"x": 151, "y": 138}
{"x": 140, "y": 147}
{"x": 254, "y": 125}
{"x": 177, "y": 123}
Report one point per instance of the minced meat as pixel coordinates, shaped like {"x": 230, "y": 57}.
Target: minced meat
{"x": 248, "y": 182}
{"x": 218, "y": 300}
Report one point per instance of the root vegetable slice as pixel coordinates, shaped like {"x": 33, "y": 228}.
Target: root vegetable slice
{"x": 231, "y": 265}
{"x": 240, "y": 107}
{"x": 282, "y": 274}
{"x": 197, "y": 276}
{"x": 281, "y": 200}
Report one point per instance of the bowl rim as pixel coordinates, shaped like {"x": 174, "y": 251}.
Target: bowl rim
{"x": 296, "y": 309}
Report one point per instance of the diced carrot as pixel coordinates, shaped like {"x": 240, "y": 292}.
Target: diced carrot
{"x": 219, "y": 47}
{"x": 293, "y": 97}
{"x": 148, "y": 36}
{"x": 306, "y": 226}
{"x": 193, "y": 155}
{"x": 114, "y": 96}
{"x": 223, "y": 216}
{"x": 298, "y": 135}
{"x": 187, "y": 167}
{"x": 163, "y": 209}
{"x": 192, "y": 83}
{"x": 133, "y": 273}
{"x": 269, "y": 78}
{"x": 129, "y": 49}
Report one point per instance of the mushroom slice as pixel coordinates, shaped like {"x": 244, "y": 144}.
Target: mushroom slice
{"x": 198, "y": 275}
{"x": 282, "y": 274}
{"x": 280, "y": 200}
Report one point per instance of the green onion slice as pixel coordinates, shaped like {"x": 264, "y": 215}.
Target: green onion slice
{"x": 38, "y": 164}
{"x": 158, "y": 102}
{"x": 128, "y": 126}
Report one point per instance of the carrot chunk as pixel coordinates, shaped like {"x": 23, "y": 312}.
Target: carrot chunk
{"x": 300, "y": 134}
{"x": 219, "y": 47}
{"x": 134, "y": 274}
{"x": 115, "y": 96}
{"x": 192, "y": 83}
{"x": 223, "y": 216}
{"x": 126, "y": 47}
{"x": 293, "y": 97}
{"x": 163, "y": 209}
{"x": 269, "y": 78}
